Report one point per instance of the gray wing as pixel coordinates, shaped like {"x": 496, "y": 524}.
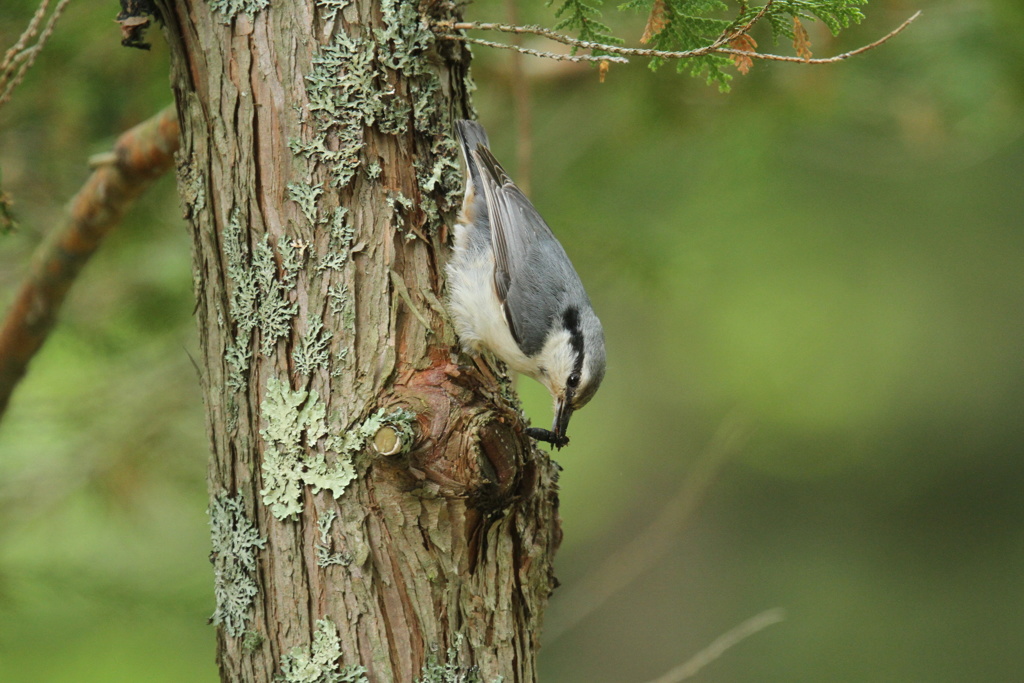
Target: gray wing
{"x": 533, "y": 276}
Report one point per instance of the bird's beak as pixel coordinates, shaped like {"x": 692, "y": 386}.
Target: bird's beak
{"x": 563, "y": 411}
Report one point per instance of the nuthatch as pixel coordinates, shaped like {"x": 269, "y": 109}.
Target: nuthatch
{"x": 514, "y": 292}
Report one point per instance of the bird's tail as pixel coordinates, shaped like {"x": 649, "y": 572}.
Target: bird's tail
{"x": 471, "y": 135}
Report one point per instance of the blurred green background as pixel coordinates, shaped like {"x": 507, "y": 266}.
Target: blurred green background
{"x": 832, "y": 256}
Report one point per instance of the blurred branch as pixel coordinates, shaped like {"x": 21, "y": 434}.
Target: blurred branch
{"x": 650, "y": 545}
{"x": 521, "y": 102}
{"x": 20, "y": 57}
{"x": 716, "y": 47}
{"x": 720, "y": 644}
{"x": 139, "y": 157}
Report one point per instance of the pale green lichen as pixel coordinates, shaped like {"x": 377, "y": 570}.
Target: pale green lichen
{"x": 332, "y": 260}
{"x": 252, "y": 641}
{"x": 320, "y": 664}
{"x": 405, "y": 38}
{"x": 293, "y": 256}
{"x": 349, "y": 89}
{"x": 259, "y": 299}
{"x": 235, "y": 542}
{"x": 325, "y": 558}
{"x": 191, "y": 187}
{"x": 341, "y": 91}
{"x": 443, "y": 175}
{"x": 341, "y": 230}
{"x": 339, "y": 366}
{"x": 400, "y": 206}
{"x": 329, "y": 8}
{"x": 340, "y": 302}
{"x": 306, "y": 195}
{"x": 295, "y": 424}
{"x": 339, "y": 242}
{"x": 242, "y": 303}
{"x": 403, "y": 42}
{"x": 274, "y": 312}
{"x": 450, "y": 671}
{"x": 313, "y": 351}
{"x": 228, "y": 9}
{"x": 324, "y": 555}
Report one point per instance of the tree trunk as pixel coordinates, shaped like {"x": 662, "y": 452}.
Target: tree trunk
{"x": 376, "y": 510}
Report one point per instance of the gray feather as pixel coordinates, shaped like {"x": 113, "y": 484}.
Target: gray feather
{"x": 533, "y": 275}
{"x": 471, "y": 136}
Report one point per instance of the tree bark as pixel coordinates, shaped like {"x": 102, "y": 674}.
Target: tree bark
{"x": 376, "y": 509}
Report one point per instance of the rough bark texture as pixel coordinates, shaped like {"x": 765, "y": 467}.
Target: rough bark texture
{"x": 317, "y": 170}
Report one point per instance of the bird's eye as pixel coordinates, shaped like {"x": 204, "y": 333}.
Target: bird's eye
{"x": 574, "y": 380}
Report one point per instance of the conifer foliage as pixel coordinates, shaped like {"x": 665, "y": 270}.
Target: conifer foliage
{"x": 688, "y": 25}
{"x": 703, "y": 37}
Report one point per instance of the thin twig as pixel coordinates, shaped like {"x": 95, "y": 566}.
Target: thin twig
{"x": 645, "y": 549}
{"x": 713, "y": 48}
{"x": 535, "y": 53}
{"x": 825, "y": 60}
{"x": 720, "y": 644}
{"x": 11, "y": 71}
{"x": 27, "y": 35}
{"x": 141, "y": 155}
{"x": 538, "y": 31}
{"x": 728, "y": 36}
{"x": 575, "y": 42}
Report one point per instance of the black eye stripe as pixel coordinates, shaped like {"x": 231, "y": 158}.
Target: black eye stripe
{"x": 571, "y": 320}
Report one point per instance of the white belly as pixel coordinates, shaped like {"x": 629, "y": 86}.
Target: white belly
{"x": 474, "y": 306}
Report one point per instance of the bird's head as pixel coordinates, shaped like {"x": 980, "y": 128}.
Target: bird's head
{"x": 571, "y": 365}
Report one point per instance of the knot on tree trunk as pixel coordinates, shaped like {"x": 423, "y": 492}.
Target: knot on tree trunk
{"x": 469, "y": 442}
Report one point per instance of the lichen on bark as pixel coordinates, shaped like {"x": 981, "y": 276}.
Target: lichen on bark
{"x": 321, "y": 663}
{"x": 296, "y": 422}
{"x": 235, "y": 542}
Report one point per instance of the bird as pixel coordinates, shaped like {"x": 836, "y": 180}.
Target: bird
{"x": 513, "y": 291}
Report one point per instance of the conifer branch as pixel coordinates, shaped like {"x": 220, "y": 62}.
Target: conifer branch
{"x": 140, "y": 156}
{"x": 825, "y": 60}
{"x": 716, "y": 47}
